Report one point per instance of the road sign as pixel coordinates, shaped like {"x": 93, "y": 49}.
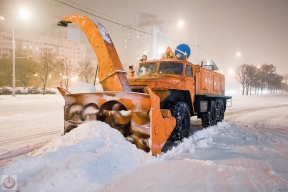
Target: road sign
{"x": 183, "y": 49}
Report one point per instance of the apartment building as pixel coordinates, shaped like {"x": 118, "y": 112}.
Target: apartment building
{"x": 62, "y": 48}
{"x": 147, "y": 36}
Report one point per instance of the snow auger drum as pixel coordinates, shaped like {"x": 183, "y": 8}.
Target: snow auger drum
{"x": 136, "y": 115}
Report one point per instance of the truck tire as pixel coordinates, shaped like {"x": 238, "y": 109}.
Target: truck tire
{"x": 219, "y": 110}
{"x": 182, "y": 114}
{"x": 209, "y": 118}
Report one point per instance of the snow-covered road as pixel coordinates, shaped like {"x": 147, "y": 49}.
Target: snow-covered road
{"x": 251, "y": 154}
{"x": 247, "y": 153}
{"x": 27, "y": 121}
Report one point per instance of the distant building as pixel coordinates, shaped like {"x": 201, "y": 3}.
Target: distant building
{"x": 71, "y": 32}
{"x": 150, "y": 38}
{"x": 62, "y": 48}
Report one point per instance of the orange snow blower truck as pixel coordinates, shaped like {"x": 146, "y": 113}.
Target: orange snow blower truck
{"x": 150, "y": 108}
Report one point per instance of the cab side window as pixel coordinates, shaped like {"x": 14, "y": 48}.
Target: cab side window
{"x": 189, "y": 71}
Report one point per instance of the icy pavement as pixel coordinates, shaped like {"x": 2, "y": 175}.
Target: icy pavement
{"x": 249, "y": 152}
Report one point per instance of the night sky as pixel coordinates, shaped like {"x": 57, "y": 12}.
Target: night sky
{"x": 258, "y": 29}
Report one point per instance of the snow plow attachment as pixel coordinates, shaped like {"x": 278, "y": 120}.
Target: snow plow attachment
{"x": 136, "y": 115}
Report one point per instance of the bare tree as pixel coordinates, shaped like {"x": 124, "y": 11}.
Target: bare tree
{"x": 66, "y": 69}
{"x": 46, "y": 67}
{"x": 285, "y": 78}
{"x": 85, "y": 71}
{"x": 266, "y": 72}
{"x": 25, "y": 71}
{"x": 241, "y": 76}
{"x": 285, "y": 82}
{"x": 5, "y": 72}
{"x": 263, "y": 78}
{"x": 256, "y": 82}
{"x": 275, "y": 83}
{"x": 250, "y": 74}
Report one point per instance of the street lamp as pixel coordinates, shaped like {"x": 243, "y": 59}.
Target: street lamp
{"x": 24, "y": 14}
{"x": 61, "y": 79}
{"x": 180, "y": 24}
{"x": 196, "y": 43}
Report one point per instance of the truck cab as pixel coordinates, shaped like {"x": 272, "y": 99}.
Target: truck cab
{"x": 178, "y": 80}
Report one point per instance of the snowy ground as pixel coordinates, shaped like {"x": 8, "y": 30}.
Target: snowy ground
{"x": 247, "y": 152}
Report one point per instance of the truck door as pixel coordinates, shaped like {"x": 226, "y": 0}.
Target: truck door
{"x": 190, "y": 83}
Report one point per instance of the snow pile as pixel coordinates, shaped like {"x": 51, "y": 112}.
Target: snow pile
{"x": 87, "y": 137}
{"x": 186, "y": 145}
{"x": 200, "y": 139}
{"x": 88, "y": 158}
{"x": 83, "y": 160}
{"x": 82, "y": 87}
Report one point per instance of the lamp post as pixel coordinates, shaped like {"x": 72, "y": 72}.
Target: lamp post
{"x": 61, "y": 79}
{"x": 13, "y": 44}
{"x": 23, "y": 13}
{"x": 196, "y": 43}
{"x": 180, "y": 24}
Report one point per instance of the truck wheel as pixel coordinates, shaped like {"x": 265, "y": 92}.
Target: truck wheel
{"x": 182, "y": 114}
{"x": 219, "y": 110}
{"x": 209, "y": 118}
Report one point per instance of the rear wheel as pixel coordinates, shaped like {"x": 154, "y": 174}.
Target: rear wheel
{"x": 209, "y": 118}
{"x": 182, "y": 114}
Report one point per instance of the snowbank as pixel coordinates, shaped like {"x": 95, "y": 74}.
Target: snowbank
{"x": 252, "y": 101}
{"x": 89, "y": 157}
{"x": 82, "y": 87}
{"x": 84, "y": 159}
{"x": 200, "y": 138}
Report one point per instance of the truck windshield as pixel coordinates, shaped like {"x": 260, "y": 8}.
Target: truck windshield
{"x": 146, "y": 69}
{"x": 171, "y": 68}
